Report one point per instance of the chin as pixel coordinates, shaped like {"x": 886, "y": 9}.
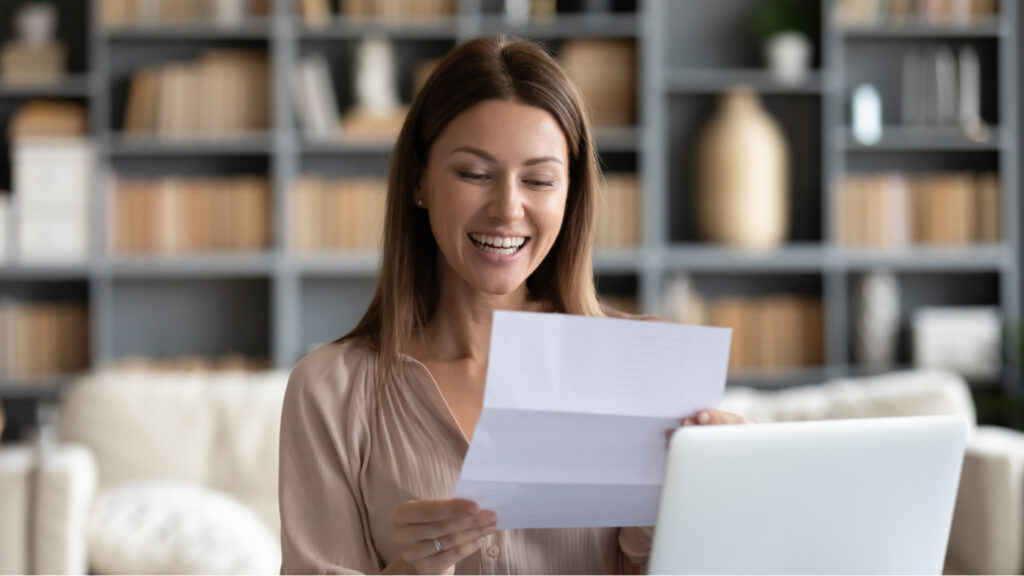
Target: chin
{"x": 495, "y": 287}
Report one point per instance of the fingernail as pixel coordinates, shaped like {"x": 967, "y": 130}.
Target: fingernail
{"x": 471, "y": 510}
{"x": 490, "y": 517}
{"x": 703, "y": 417}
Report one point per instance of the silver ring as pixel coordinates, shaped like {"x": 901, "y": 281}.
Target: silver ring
{"x": 437, "y": 545}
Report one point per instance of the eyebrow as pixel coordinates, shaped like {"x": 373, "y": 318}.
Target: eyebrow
{"x": 490, "y": 158}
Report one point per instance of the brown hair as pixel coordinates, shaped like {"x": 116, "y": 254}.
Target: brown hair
{"x": 486, "y": 68}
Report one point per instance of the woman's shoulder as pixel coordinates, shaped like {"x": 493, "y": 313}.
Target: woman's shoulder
{"x": 340, "y": 370}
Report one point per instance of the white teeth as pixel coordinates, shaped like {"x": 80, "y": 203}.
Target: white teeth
{"x": 499, "y": 241}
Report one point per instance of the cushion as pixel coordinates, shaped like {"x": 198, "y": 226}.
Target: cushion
{"x": 177, "y": 528}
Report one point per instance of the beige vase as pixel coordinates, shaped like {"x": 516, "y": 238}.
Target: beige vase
{"x": 742, "y": 194}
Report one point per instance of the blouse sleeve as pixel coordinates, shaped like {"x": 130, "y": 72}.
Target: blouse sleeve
{"x": 324, "y": 525}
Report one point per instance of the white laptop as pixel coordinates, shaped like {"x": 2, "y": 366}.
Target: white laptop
{"x": 867, "y": 496}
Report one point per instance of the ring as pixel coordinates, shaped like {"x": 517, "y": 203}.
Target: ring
{"x": 437, "y": 545}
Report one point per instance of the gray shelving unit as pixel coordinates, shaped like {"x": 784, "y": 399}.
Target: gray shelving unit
{"x": 279, "y": 304}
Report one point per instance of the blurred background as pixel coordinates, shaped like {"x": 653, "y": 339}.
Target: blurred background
{"x": 192, "y": 191}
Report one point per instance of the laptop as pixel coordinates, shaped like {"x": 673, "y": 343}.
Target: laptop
{"x": 869, "y": 496}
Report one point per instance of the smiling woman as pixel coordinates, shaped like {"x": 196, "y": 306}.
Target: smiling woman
{"x": 490, "y": 207}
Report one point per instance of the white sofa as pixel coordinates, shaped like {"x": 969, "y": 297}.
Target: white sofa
{"x": 221, "y": 431}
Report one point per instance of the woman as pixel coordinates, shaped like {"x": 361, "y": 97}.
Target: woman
{"x": 490, "y": 206}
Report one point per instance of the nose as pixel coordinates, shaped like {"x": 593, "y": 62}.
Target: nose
{"x": 506, "y": 202}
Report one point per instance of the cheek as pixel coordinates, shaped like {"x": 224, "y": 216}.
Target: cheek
{"x": 551, "y": 211}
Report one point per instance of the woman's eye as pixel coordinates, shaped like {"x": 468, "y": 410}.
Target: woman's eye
{"x": 539, "y": 183}
{"x": 474, "y": 176}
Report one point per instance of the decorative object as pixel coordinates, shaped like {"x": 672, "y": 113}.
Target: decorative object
{"x": 867, "y": 114}
{"x": 788, "y": 55}
{"x": 34, "y": 56}
{"x": 37, "y": 25}
{"x": 964, "y": 339}
{"x": 782, "y": 27}
{"x": 743, "y": 175}
{"x": 969, "y": 94}
{"x": 877, "y": 324}
{"x": 376, "y": 79}
{"x": 378, "y": 111}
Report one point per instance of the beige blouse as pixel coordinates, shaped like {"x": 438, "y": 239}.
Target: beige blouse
{"x": 350, "y": 455}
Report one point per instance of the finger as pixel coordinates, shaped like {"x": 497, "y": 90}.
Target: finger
{"x": 409, "y": 533}
{"x": 441, "y": 562}
{"x": 718, "y": 417}
{"x": 422, "y": 511}
{"x": 424, "y": 549}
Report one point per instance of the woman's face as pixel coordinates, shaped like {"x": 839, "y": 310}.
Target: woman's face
{"x": 495, "y": 189}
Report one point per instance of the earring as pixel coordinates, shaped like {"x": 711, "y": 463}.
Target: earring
{"x": 419, "y": 202}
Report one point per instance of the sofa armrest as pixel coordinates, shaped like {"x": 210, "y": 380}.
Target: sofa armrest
{"x": 65, "y": 490}
{"x": 16, "y": 465}
{"x": 988, "y": 525}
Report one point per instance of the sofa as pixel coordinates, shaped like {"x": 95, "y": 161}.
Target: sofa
{"x": 156, "y": 439}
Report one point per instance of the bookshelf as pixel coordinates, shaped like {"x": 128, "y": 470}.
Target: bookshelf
{"x": 278, "y": 303}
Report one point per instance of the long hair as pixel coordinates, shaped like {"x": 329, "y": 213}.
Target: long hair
{"x": 486, "y": 68}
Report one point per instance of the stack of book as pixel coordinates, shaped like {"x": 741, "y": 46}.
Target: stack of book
{"x": 618, "y": 212}
{"x": 605, "y": 72}
{"x": 226, "y": 363}
{"x": 120, "y": 13}
{"x": 897, "y": 210}
{"x": 20, "y": 65}
{"x": 769, "y": 332}
{"x": 338, "y": 215}
{"x": 318, "y": 12}
{"x": 177, "y": 216}
{"x": 895, "y": 12}
{"x": 224, "y": 93}
{"x": 42, "y": 338}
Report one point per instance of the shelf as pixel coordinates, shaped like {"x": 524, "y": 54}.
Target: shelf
{"x": 188, "y": 33}
{"x": 220, "y": 265}
{"x": 73, "y": 86}
{"x": 32, "y": 272}
{"x": 913, "y": 30}
{"x": 925, "y": 258}
{"x": 618, "y": 260}
{"x": 608, "y": 139}
{"x": 406, "y": 29}
{"x": 924, "y": 139}
{"x": 563, "y": 26}
{"x": 776, "y": 378}
{"x": 761, "y": 81}
{"x": 249, "y": 145}
{"x": 617, "y": 139}
{"x": 347, "y": 146}
{"x": 709, "y": 257}
{"x": 338, "y": 265}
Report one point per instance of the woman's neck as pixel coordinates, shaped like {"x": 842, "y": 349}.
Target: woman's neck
{"x": 461, "y": 326}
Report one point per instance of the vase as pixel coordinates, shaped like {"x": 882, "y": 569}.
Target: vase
{"x": 742, "y": 195}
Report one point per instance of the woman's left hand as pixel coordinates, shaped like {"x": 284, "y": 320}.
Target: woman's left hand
{"x": 709, "y": 417}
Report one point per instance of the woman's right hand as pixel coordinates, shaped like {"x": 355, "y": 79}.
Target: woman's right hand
{"x": 457, "y": 525}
